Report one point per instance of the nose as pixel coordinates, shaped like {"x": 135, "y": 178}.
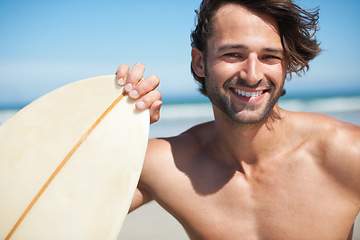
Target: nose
{"x": 252, "y": 70}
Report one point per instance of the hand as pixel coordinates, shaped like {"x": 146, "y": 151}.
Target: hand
{"x": 141, "y": 89}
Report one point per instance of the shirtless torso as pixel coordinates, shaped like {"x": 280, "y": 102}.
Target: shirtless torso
{"x": 310, "y": 189}
{"x": 257, "y": 172}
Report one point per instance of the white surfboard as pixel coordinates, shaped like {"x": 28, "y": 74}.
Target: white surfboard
{"x": 70, "y": 163}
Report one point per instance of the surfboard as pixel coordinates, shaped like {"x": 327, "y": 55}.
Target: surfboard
{"x": 70, "y": 162}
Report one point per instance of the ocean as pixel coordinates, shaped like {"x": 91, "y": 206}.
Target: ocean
{"x": 177, "y": 116}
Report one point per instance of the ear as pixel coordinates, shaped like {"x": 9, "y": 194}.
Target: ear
{"x": 197, "y": 62}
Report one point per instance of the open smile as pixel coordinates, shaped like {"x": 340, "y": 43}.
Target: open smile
{"x": 249, "y": 96}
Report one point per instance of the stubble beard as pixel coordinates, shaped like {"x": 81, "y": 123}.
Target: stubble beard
{"x": 237, "y": 113}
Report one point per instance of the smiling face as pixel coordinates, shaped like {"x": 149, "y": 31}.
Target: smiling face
{"x": 244, "y": 66}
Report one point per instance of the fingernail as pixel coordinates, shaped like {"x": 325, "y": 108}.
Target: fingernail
{"x": 133, "y": 94}
{"x": 140, "y": 105}
{"x": 128, "y": 87}
{"x": 121, "y": 81}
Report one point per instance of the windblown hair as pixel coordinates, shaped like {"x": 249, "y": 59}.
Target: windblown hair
{"x": 297, "y": 31}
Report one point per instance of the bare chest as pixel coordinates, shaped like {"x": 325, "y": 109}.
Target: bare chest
{"x": 289, "y": 202}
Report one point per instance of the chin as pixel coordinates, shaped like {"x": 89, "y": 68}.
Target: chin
{"x": 249, "y": 120}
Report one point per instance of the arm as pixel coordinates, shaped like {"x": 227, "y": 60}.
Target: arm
{"x": 342, "y": 152}
{"x": 142, "y": 193}
{"x": 141, "y": 89}
{"x": 140, "y": 198}
{"x": 154, "y": 179}
{"x": 342, "y": 158}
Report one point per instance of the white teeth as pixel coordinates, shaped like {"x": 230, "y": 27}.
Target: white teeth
{"x": 248, "y": 94}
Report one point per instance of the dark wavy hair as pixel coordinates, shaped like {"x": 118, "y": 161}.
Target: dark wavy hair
{"x": 297, "y": 31}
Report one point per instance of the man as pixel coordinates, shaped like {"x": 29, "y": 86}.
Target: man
{"x": 257, "y": 171}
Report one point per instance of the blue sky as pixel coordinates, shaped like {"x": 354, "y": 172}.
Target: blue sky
{"x": 45, "y": 44}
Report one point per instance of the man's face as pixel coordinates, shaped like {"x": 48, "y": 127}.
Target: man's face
{"x": 244, "y": 67}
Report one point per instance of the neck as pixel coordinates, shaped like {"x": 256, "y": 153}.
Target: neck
{"x": 247, "y": 143}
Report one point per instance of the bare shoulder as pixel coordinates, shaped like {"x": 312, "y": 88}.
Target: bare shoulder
{"x": 164, "y": 154}
{"x": 189, "y": 140}
{"x": 328, "y": 129}
{"x": 335, "y": 137}
{"x": 336, "y": 144}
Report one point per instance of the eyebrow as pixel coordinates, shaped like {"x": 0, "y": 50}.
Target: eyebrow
{"x": 231, "y": 47}
{"x": 274, "y": 50}
{"x": 241, "y": 46}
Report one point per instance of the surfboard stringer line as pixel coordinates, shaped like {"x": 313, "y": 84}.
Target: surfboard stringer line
{"x": 62, "y": 164}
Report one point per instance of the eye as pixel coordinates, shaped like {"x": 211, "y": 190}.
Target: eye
{"x": 232, "y": 57}
{"x": 232, "y": 54}
{"x": 272, "y": 59}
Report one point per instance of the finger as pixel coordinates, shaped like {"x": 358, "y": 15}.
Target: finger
{"x": 148, "y": 100}
{"x": 122, "y": 74}
{"x": 155, "y": 111}
{"x": 135, "y": 75}
{"x": 145, "y": 86}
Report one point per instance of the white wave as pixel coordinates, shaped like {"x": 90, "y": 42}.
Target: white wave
{"x": 187, "y": 111}
{"x": 323, "y": 105}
